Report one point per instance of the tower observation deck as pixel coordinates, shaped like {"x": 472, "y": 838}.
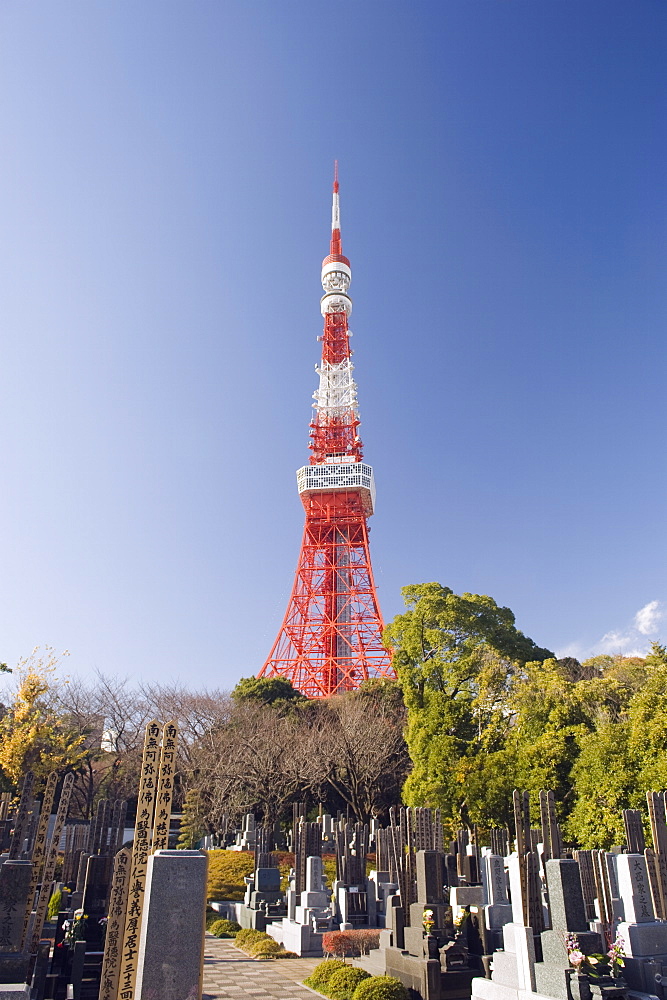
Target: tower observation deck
{"x": 331, "y": 637}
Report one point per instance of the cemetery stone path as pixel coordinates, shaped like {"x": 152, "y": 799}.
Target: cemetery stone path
{"x": 229, "y": 974}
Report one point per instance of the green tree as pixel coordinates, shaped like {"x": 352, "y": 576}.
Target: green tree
{"x": 193, "y": 822}
{"x": 455, "y": 657}
{"x": 267, "y": 691}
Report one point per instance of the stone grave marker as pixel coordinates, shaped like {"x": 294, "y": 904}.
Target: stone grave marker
{"x": 22, "y": 817}
{"x": 568, "y": 918}
{"x": 171, "y": 948}
{"x": 643, "y": 937}
{"x": 15, "y": 878}
{"x": 634, "y": 888}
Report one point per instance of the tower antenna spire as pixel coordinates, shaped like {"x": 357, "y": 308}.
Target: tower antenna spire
{"x": 336, "y": 243}
{"x": 331, "y": 637}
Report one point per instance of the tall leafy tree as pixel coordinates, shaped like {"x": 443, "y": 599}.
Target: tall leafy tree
{"x": 455, "y": 656}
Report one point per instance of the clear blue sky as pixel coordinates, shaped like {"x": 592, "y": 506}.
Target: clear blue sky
{"x": 164, "y": 200}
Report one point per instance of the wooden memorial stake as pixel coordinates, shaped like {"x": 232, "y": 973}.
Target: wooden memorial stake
{"x": 602, "y": 889}
{"x": 39, "y": 849}
{"x": 555, "y": 844}
{"x": 544, "y": 823}
{"x": 165, "y": 788}
{"x": 654, "y": 881}
{"x": 5, "y": 799}
{"x": 634, "y": 833}
{"x": 115, "y": 926}
{"x": 140, "y": 851}
{"x": 50, "y": 866}
{"x": 585, "y": 862}
{"x": 656, "y": 812}
{"x": 522, "y": 848}
{"x": 21, "y": 821}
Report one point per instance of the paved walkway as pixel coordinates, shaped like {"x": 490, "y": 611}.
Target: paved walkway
{"x": 229, "y": 974}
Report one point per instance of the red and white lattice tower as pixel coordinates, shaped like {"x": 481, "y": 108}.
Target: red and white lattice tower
{"x": 331, "y": 638}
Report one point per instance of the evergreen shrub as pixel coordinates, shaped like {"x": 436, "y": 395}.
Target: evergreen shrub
{"x": 322, "y": 973}
{"x": 381, "y": 988}
{"x": 266, "y": 948}
{"x": 344, "y": 982}
{"x": 54, "y": 905}
{"x": 248, "y": 936}
{"x": 225, "y": 928}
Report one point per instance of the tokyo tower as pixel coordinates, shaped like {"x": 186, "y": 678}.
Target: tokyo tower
{"x": 331, "y": 637}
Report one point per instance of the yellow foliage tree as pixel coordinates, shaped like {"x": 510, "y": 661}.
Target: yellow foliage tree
{"x": 33, "y": 736}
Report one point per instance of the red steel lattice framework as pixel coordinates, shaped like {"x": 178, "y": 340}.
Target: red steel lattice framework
{"x": 331, "y": 637}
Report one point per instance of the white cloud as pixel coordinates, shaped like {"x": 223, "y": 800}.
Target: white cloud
{"x": 647, "y": 618}
{"x": 630, "y": 641}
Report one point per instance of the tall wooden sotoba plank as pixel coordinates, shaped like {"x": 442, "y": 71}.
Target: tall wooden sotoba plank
{"x": 140, "y": 853}
{"x": 39, "y": 848}
{"x": 21, "y": 820}
{"x": 50, "y": 866}
{"x": 113, "y": 943}
{"x": 165, "y": 788}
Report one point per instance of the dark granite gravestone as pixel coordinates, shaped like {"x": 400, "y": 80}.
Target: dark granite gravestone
{"x": 171, "y": 947}
{"x": 430, "y": 882}
{"x": 95, "y": 895}
{"x": 15, "y": 877}
{"x": 430, "y": 877}
{"x": 568, "y": 919}
{"x": 263, "y": 901}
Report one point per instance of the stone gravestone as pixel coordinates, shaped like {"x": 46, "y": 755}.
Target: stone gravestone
{"x": 263, "y": 901}
{"x": 171, "y": 946}
{"x": 430, "y": 889}
{"x": 568, "y": 919}
{"x": 15, "y": 879}
{"x": 644, "y": 938}
{"x": 95, "y": 894}
{"x": 498, "y": 909}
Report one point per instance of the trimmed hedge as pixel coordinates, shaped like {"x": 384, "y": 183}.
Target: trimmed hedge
{"x": 224, "y": 928}
{"x": 381, "y": 988}
{"x": 344, "y": 982}
{"x": 266, "y": 948}
{"x": 247, "y": 937}
{"x": 225, "y": 873}
{"x": 354, "y": 942}
{"x": 227, "y": 868}
{"x": 322, "y": 973}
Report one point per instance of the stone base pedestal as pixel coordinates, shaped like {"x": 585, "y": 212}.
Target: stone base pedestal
{"x": 296, "y": 937}
{"x": 13, "y": 967}
{"x": 644, "y": 940}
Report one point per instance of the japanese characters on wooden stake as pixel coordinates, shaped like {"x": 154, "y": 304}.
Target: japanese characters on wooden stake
{"x": 115, "y": 926}
{"x": 21, "y": 820}
{"x": 165, "y": 788}
{"x": 155, "y": 784}
{"x": 39, "y": 849}
{"x": 50, "y": 866}
{"x": 656, "y": 812}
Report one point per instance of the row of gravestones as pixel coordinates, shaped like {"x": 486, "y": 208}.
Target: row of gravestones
{"x": 420, "y": 944}
{"x": 166, "y": 952}
{"x": 171, "y": 943}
